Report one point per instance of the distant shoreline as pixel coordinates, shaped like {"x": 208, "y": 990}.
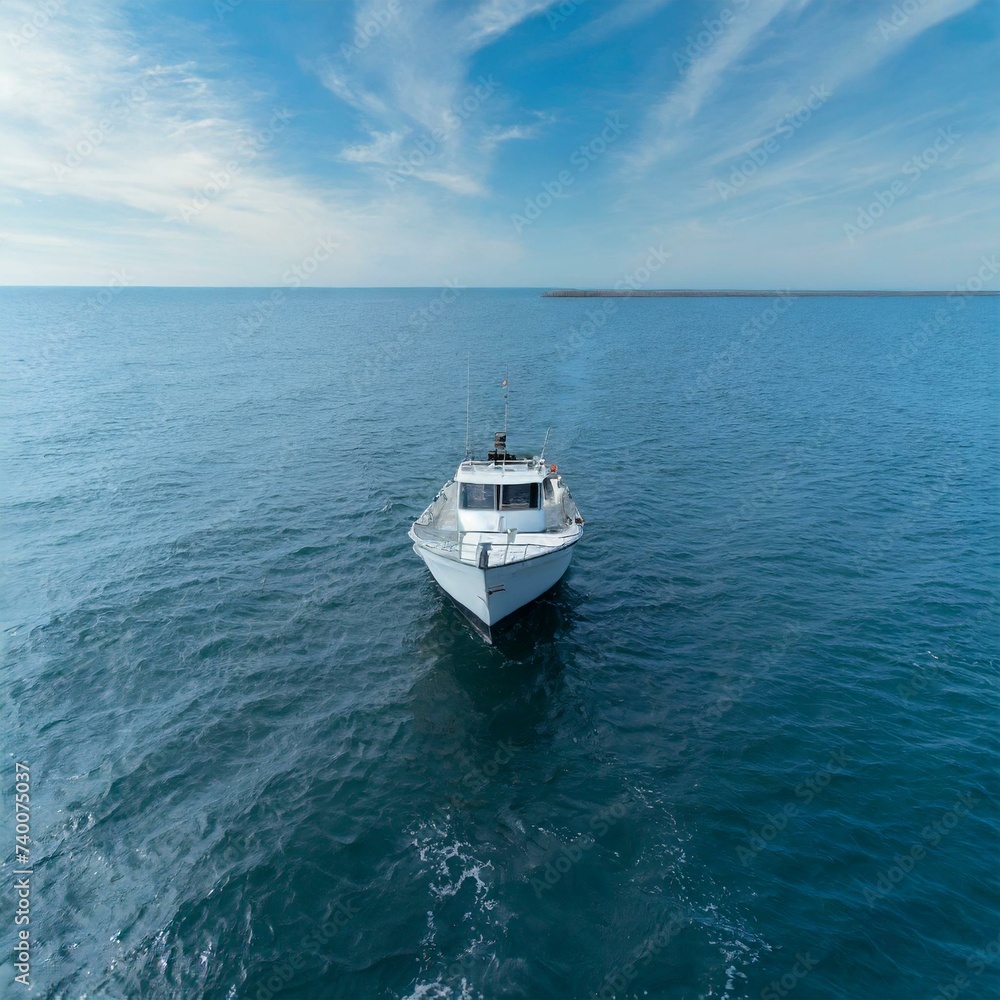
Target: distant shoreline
{"x": 686, "y": 293}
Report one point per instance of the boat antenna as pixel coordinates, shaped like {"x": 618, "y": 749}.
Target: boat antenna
{"x": 544, "y": 443}
{"x": 506, "y": 392}
{"x": 468, "y": 400}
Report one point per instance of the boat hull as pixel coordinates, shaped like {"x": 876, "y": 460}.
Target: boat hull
{"x": 494, "y": 593}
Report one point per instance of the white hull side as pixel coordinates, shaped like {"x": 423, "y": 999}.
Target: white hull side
{"x": 492, "y": 594}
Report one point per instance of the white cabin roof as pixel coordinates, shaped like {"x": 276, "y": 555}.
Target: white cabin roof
{"x": 520, "y": 471}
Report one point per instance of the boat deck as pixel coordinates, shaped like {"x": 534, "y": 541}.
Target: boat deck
{"x": 437, "y": 530}
{"x": 444, "y": 512}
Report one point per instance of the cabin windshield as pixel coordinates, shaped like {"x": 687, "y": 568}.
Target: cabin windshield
{"x": 487, "y": 496}
{"x": 478, "y": 496}
{"x": 523, "y": 496}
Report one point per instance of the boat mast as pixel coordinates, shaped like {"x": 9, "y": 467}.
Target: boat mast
{"x": 506, "y": 391}
{"x": 468, "y": 398}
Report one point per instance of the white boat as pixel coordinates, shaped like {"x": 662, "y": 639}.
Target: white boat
{"x": 500, "y": 533}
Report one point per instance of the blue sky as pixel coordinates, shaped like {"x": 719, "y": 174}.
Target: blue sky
{"x": 758, "y": 143}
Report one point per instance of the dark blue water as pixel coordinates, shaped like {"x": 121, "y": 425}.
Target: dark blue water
{"x": 747, "y": 748}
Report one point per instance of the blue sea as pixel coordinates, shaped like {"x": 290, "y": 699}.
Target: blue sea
{"x": 747, "y": 748}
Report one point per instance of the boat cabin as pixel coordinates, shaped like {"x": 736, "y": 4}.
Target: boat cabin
{"x": 501, "y": 493}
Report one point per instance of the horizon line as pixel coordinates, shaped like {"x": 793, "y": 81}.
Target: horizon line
{"x": 549, "y": 290}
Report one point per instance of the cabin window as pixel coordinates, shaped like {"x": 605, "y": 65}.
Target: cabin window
{"x": 523, "y": 496}
{"x": 478, "y": 496}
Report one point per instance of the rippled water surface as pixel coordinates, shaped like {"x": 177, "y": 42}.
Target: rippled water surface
{"x": 747, "y": 748}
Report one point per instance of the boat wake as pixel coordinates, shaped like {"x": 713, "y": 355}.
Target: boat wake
{"x": 461, "y": 916}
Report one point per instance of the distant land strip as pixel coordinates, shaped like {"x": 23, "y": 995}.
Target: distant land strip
{"x": 688, "y": 293}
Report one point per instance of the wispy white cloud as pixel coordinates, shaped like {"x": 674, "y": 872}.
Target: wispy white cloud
{"x": 112, "y": 156}
{"x": 834, "y": 47}
{"x": 573, "y": 30}
{"x": 705, "y": 73}
{"x": 382, "y": 149}
{"x": 494, "y": 18}
{"x": 79, "y": 198}
{"x": 425, "y": 118}
{"x": 803, "y": 191}
{"x": 617, "y": 18}
{"x": 337, "y": 83}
